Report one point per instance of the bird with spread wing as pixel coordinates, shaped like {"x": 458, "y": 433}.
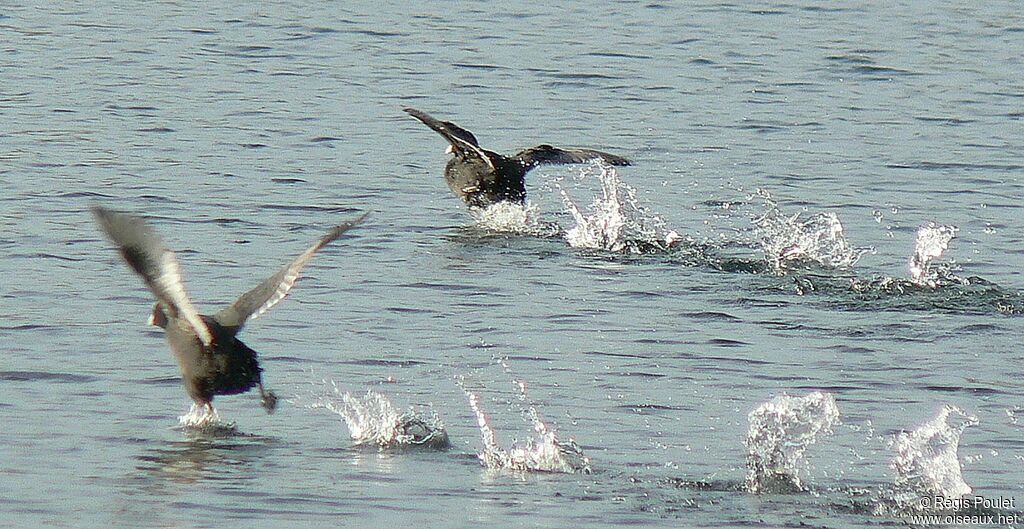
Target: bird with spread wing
{"x": 481, "y": 177}
{"x": 212, "y": 360}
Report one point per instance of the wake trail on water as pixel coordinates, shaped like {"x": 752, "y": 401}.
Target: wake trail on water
{"x": 931, "y": 283}
{"x": 813, "y": 252}
{"x": 925, "y": 462}
{"x": 927, "y": 473}
{"x": 810, "y": 250}
{"x": 927, "y": 470}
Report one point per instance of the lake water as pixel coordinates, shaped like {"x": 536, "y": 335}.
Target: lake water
{"x": 770, "y": 369}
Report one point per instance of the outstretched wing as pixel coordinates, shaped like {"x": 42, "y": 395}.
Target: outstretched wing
{"x": 462, "y": 140}
{"x": 146, "y": 254}
{"x": 260, "y": 299}
{"x": 541, "y": 154}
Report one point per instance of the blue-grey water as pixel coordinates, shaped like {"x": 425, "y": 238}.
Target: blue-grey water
{"x": 243, "y": 130}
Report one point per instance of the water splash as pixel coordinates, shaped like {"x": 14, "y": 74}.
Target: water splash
{"x": 203, "y": 420}
{"x": 509, "y": 217}
{"x": 615, "y": 221}
{"x": 372, "y": 420}
{"x": 543, "y": 450}
{"x": 927, "y": 465}
{"x": 780, "y": 432}
{"x": 932, "y": 241}
{"x": 789, "y": 240}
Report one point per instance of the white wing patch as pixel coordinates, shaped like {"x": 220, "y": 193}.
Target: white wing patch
{"x": 169, "y": 283}
{"x": 479, "y": 151}
{"x": 286, "y": 284}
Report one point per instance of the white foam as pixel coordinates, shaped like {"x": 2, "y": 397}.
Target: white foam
{"x": 543, "y": 450}
{"x": 509, "y": 217}
{"x": 201, "y": 419}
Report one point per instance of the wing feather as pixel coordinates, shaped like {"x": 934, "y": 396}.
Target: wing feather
{"x": 542, "y": 154}
{"x": 271, "y": 291}
{"x": 461, "y": 139}
{"x": 146, "y": 254}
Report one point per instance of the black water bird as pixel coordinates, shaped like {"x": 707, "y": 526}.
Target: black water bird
{"x": 212, "y": 360}
{"x": 481, "y": 177}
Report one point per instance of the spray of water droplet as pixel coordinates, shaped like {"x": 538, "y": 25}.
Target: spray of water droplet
{"x": 789, "y": 240}
{"x": 543, "y": 450}
{"x": 1013, "y": 413}
{"x": 200, "y": 419}
{"x": 615, "y": 221}
{"x": 932, "y": 241}
{"x": 927, "y": 464}
{"x": 372, "y": 420}
{"x": 780, "y": 432}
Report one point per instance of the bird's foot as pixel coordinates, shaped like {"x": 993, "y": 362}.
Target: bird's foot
{"x": 269, "y": 400}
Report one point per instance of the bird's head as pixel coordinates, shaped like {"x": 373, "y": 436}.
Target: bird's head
{"x": 158, "y": 317}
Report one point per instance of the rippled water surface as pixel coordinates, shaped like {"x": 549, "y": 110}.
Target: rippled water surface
{"x": 785, "y": 159}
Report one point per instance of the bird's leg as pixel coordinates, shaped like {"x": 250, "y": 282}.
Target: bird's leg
{"x": 267, "y": 399}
